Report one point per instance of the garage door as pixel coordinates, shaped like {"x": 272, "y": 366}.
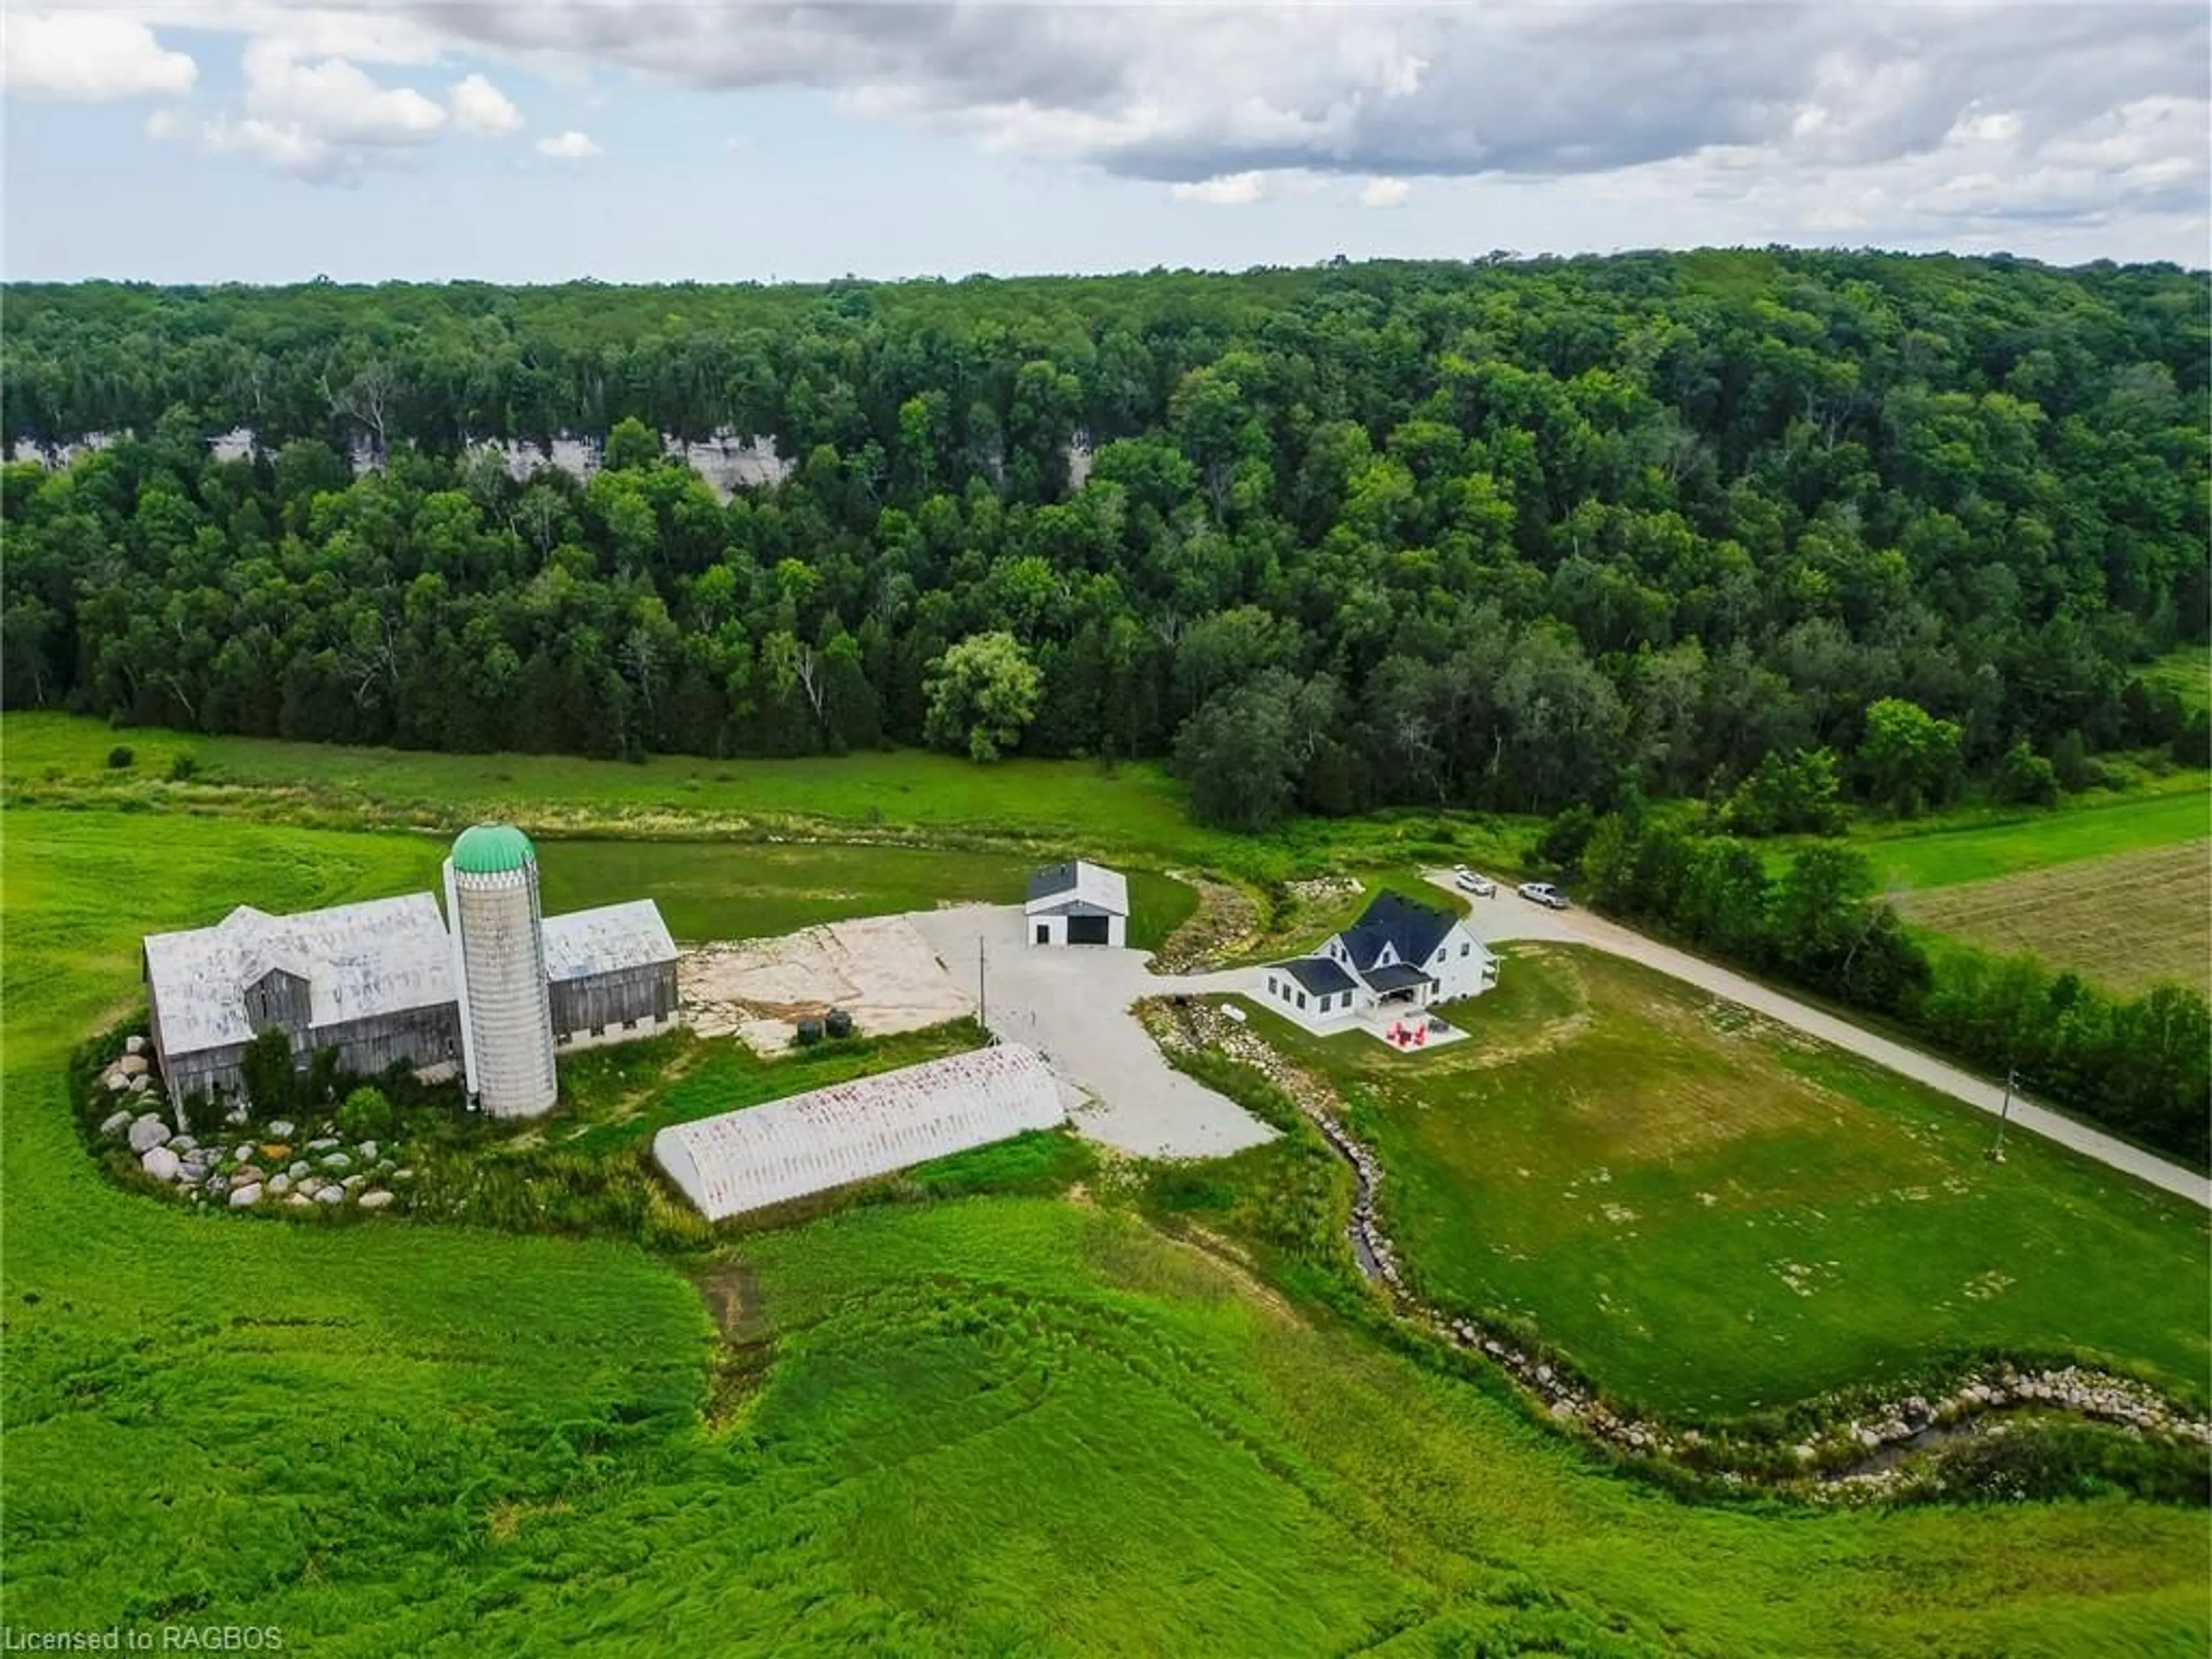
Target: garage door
{"x": 1086, "y": 930}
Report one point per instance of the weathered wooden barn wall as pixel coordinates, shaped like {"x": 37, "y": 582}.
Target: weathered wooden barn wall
{"x": 278, "y": 998}
{"x": 417, "y": 1038}
{"x": 210, "y": 1071}
{"x": 421, "y": 1038}
{"x": 591, "y": 1005}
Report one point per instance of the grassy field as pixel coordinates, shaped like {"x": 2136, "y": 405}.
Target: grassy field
{"x": 2127, "y": 922}
{"x": 203, "y": 1413}
{"x": 728, "y": 890}
{"x": 1133, "y": 806}
{"x": 1020, "y": 1427}
{"x": 1041, "y": 809}
{"x": 741, "y": 889}
{"x": 991, "y": 1426}
{"x": 1712, "y": 1214}
{"x": 733, "y": 890}
{"x": 1988, "y": 842}
{"x": 2116, "y": 888}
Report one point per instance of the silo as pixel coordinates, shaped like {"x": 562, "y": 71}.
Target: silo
{"x": 499, "y": 971}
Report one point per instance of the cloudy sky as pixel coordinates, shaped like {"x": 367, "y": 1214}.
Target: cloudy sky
{"x": 258, "y": 140}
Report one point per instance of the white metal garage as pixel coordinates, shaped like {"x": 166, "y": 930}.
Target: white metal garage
{"x": 1077, "y": 903}
{"x": 811, "y": 1143}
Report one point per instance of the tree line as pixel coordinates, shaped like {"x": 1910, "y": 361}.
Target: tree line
{"x": 2142, "y": 1066}
{"x": 1503, "y": 534}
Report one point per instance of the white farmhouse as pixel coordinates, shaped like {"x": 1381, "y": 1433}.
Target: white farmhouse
{"x": 1077, "y": 903}
{"x": 1398, "y": 958}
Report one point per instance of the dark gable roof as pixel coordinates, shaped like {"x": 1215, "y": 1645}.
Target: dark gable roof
{"x": 1317, "y": 973}
{"x": 1415, "y": 929}
{"x": 1396, "y": 977}
{"x": 1053, "y": 879}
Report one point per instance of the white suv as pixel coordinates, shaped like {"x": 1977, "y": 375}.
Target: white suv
{"x": 1543, "y": 893}
{"x": 1473, "y": 881}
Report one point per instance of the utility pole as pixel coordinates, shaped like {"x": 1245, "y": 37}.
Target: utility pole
{"x": 2004, "y": 1113}
{"x": 982, "y": 1007}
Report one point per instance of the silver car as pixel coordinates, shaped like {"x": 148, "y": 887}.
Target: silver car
{"x": 1473, "y": 881}
{"x": 1543, "y": 893}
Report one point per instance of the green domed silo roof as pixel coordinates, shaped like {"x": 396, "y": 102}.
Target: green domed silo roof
{"x": 492, "y": 849}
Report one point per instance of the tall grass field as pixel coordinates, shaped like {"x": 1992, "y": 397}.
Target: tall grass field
{"x": 988, "y": 1424}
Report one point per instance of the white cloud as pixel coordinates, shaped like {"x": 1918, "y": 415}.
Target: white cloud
{"x": 334, "y": 102}
{"x": 1887, "y": 121}
{"x": 89, "y": 57}
{"x": 479, "y": 107}
{"x": 1222, "y": 101}
{"x": 323, "y": 121}
{"x": 284, "y": 145}
{"x": 1230, "y": 190}
{"x": 569, "y": 146}
{"x": 1242, "y": 189}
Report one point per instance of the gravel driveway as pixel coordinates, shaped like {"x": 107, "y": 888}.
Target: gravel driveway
{"x": 1073, "y": 1005}
{"x": 1509, "y": 916}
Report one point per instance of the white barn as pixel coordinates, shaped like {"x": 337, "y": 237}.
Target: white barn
{"x": 373, "y": 983}
{"x": 871, "y": 1126}
{"x": 1399, "y": 958}
{"x": 1077, "y": 903}
{"x": 383, "y": 983}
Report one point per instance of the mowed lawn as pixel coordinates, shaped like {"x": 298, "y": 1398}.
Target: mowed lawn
{"x": 2126, "y": 921}
{"x": 1983, "y": 845}
{"x": 1710, "y": 1214}
{"x": 998, "y": 1425}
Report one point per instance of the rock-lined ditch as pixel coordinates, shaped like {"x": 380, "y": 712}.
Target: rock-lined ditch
{"x": 1225, "y": 923}
{"x": 1870, "y": 1453}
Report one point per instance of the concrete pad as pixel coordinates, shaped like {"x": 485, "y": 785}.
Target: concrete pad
{"x": 877, "y": 969}
{"x": 1071, "y": 1004}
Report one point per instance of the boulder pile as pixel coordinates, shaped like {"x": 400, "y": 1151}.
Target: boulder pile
{"x": 132, "y": 1073}
{"x": 248, "y": 1173}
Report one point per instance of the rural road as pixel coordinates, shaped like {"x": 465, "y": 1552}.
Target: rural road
{"x": 1508, "y": 916}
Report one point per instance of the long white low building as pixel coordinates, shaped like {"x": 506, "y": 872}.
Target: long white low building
{"x": 871, "y": 1126}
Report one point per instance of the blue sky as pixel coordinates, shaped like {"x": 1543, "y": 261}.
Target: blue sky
{"x": 255, "y": 140}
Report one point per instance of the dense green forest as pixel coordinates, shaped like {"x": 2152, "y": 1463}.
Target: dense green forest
{"x": 1515, "y": 534}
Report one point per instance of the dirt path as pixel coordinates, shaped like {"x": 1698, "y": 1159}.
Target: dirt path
{"x": 1510, "y": 917}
